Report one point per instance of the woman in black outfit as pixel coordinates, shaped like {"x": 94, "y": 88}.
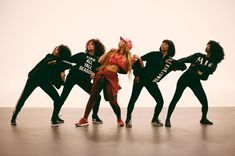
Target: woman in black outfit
{"x": 49, "y": 72}
{"x": 201, "y": 67}
{"x": 83, "y": 72}
{"x": 158, "y": 65}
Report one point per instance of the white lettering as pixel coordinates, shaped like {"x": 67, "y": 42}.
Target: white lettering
{"x": 164, "y": 71}
{"x": 210, "y": 64}
{"x": 200, "y": 59}
{"x": 85, "y": 70}
{"x": 87, "y": 66}
{"x": 89, "y": 61}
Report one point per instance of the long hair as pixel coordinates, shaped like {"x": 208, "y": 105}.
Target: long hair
{"x": 64, "y": 52}
{"x": 129, "y": 59}
{"x": 216, "y": 50}
{"x": 99, "y": 47}
{"x": 171, "y": 49}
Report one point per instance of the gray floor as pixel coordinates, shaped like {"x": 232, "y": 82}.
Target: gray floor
{"x": 33, "y": 136}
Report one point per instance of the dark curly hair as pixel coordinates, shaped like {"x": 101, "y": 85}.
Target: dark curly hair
{"x": 171, "y": 49}
{"x": 216, "y": 50}
{"x": 99, "y": 47}
{"x": 64, "y": 52}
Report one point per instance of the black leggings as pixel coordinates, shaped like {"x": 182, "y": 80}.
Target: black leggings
{"x": 189, "y": 79}
{"x": 30, "y": 86}
{"x": 85, "y": 84}
{"x": 154, "y": 91}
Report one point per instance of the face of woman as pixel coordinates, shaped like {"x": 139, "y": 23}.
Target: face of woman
{"x": 91, "y": 48}
{"x": 121, "y": 44}
{"x": 207, "y": 48}
{"x": 164, "y": 47}
{"x": 56, "y": 52}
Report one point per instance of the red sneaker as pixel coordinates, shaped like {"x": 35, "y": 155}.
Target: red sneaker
{"x": 120, "y": 123}
{"x": 82, "y": 122}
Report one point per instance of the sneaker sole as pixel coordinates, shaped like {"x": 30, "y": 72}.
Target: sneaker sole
{"x": 82, "y": 125}
{"x": 54, "y": 125}
{"x": 167, "y": 125}
{"x": 128, "y": 125}
{"x": 96, "y": 122}
{"x": 207, "y": 123}
{"x": 120, "y": 125}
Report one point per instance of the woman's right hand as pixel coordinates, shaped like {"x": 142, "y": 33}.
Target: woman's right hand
{"x": 137, "y": 79}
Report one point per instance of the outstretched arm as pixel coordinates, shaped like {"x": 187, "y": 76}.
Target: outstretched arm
{"x": 178, "y": 65}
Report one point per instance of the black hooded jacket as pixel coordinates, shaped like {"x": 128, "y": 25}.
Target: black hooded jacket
{"x": 44, "y": 71}
{"x": 157, "y": 66}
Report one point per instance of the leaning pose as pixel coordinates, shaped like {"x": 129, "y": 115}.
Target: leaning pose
{"x": 47, "y": 74}
{"x": 202, "y": 65}
{"x": 158, "y": 65}
{"x": 83, "y": 72}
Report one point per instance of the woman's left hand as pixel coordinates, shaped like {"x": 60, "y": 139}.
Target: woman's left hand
{"x": 62, "y": 76}
{"x": 52, "y": 62}
{"x": 92, "y": 75}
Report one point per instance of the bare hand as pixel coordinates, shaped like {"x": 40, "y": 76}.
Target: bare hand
{"x": 92, "y": 75}
{"x": 137, "y": 79}
{"x": 62, "y": 76}
{"x": 136, "y": 57}
{"x": 52, "y": 62}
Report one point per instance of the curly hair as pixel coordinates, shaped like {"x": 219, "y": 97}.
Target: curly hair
{"x": 171, "y": 49}
{"x": 64, "y": 52}
{"x": 99, "y": 47}
{"x": 216, "y": 50}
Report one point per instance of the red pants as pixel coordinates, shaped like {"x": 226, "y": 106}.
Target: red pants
{"x": 108, "y": 81}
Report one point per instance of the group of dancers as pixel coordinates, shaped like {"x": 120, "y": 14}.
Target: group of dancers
{"x": 95, "y": 70}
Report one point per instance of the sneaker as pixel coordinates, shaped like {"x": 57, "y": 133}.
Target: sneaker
{"x": 96, "y": 120}
{"x": 82, "y": 123}
{"x": 13, "y": 119}
{"x": 167, "y": 123}
{"x": 128, "y": 123}
{"x": 60, "y": 120}
{"x": 206, "y": 122}
{"x": 157, "y": 123}
{"x": 13, "y": 122}
{"x": 54, "y": 124}
{"x": 120, "y": 123}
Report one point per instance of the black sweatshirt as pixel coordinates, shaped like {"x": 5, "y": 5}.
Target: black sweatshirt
{"x": 201, "y": 66}
{"x": 44, "y": 71}
{"x": 157, "y": 66}
{"x": 85, "y": 65}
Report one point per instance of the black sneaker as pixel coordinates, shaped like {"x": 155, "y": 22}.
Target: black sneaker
{"x": 128, "y": 123}
{"x": 206, "y": 122}
{"x": 60, "y": 120}
{"x": 13, "y": 119}
{"x": 157, "y": 123}
{"x": 167, "y": 123}
{"x": 13, "y": 122}
{"x": 54, "y": 123}
{"x": 96, "y": 120}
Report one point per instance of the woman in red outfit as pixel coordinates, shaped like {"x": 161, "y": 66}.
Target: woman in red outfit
{"x": 115, "y": 61}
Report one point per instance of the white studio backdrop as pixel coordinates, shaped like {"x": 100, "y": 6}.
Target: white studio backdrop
{"x": 29, "y": 29}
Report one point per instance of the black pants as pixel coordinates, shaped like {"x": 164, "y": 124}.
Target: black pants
{"x": 30, "y": 86}
{"x": 189, "y": 79}
{"x": 85, "y": 84}
{"x": 154, "y": 91}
